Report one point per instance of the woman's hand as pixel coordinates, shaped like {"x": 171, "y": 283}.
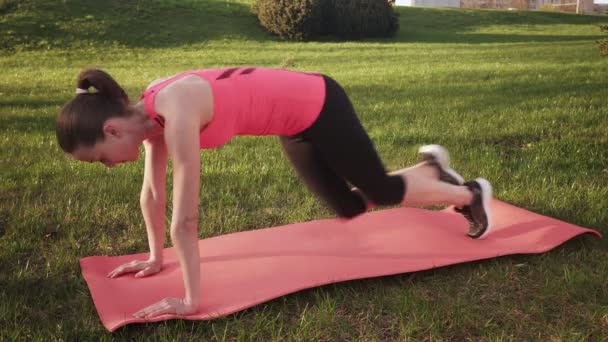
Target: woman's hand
{"x": 143, "y": 268}
{"x": 172, "y": 306}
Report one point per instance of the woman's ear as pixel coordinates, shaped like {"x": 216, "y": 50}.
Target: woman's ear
{"x": 112, "y": 128}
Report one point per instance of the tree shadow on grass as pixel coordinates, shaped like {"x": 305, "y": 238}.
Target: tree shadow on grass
{"x": 30, "y": 123}
{"x": 26, "y": 113}
{"x": 131, "y": 23}
{"x": 151, "y": 24}
{"x": 466, "y": 84}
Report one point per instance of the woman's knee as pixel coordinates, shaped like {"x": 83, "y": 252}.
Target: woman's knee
{"x": 348, "y": 209}
{"x": 390, "y": 191}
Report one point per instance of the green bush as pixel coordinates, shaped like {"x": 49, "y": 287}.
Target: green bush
{"x": 354, "y": 19}
{"x": 309, "y": 19}
{"x": 290, "y": 19}
{"x": 7, "y": 5}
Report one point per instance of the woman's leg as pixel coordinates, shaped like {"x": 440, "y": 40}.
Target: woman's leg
{"x": 320, "y": 179}
{"x": 425, "y": 188}
{"x": 343, "y": 144}
{"x": 435, "y": 168}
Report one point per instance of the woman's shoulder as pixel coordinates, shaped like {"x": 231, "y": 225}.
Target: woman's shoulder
{"x": 157, "y": 81}
{"x": 163, "y": 79}
{"x": 184, "y": 84}
{"x": 186, "y": 93}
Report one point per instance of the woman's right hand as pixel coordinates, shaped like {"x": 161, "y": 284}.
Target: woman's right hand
{"x": 143, "y": 268}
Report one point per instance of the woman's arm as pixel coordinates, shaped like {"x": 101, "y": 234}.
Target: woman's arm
{"x": 153, "y": 198}
{"x": 183, "y": 146}
{"x": 183, "y": 107}
{"x": 153, "y": 203}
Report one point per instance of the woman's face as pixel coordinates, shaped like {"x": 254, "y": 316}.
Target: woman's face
{"x": 120, "y": 145}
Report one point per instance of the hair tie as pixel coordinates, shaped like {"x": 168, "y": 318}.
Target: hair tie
{"x": 81, "y": 91}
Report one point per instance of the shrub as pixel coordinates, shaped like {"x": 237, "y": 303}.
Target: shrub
{"x": 309, "y": 19}
{"x": 290, "y": 19}
{"x": 7, "y": 5}
{"x": 362, "y": 18}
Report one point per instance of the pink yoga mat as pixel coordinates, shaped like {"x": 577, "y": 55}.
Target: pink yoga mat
{"x": 244, "y": 269}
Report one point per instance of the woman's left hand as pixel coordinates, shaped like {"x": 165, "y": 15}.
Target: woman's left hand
{"x": 172, "y": 306}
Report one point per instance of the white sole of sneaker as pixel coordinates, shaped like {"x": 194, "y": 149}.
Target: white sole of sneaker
{"x": 443, "y": 159}
{"x": 486, "y": 197}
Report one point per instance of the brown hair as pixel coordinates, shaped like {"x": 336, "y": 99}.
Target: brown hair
{"x": 80, "y": 121}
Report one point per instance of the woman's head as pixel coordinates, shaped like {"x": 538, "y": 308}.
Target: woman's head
{"x": 97, "y": 125}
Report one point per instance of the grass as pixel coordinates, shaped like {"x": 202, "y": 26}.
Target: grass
{"x": 517, "y": 97}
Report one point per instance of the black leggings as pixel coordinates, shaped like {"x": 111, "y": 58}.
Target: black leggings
{"x": 335, "y": 153}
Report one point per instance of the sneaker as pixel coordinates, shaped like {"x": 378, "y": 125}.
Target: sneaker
{"x": 438, "y": 156}
{"x": 478, "y": 212}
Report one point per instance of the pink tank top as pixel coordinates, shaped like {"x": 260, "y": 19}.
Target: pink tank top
{"x": 253, "y": 101}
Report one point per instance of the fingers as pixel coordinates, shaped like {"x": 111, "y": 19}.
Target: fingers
{"x": 126, "y": 268}
{"x": 120, "y": 270}
{"x": 146, "y": 272}
{"x": 165, "y": 306}
{"x": 173, "y": 306}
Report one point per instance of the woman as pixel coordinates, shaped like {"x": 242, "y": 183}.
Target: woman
{"x": 318, "y": 129}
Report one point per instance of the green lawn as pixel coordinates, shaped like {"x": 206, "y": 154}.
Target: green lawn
{"x": 520, "y": 98}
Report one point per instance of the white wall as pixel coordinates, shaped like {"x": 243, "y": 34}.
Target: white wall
{"x": 430, "y": 3}
{"x": 437, "y": 3}
{"x": 403, "y": 3}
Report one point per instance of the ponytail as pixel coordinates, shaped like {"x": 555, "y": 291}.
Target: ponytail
{"x": 98, "y": 98}
{"x": 102, "y": 84}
